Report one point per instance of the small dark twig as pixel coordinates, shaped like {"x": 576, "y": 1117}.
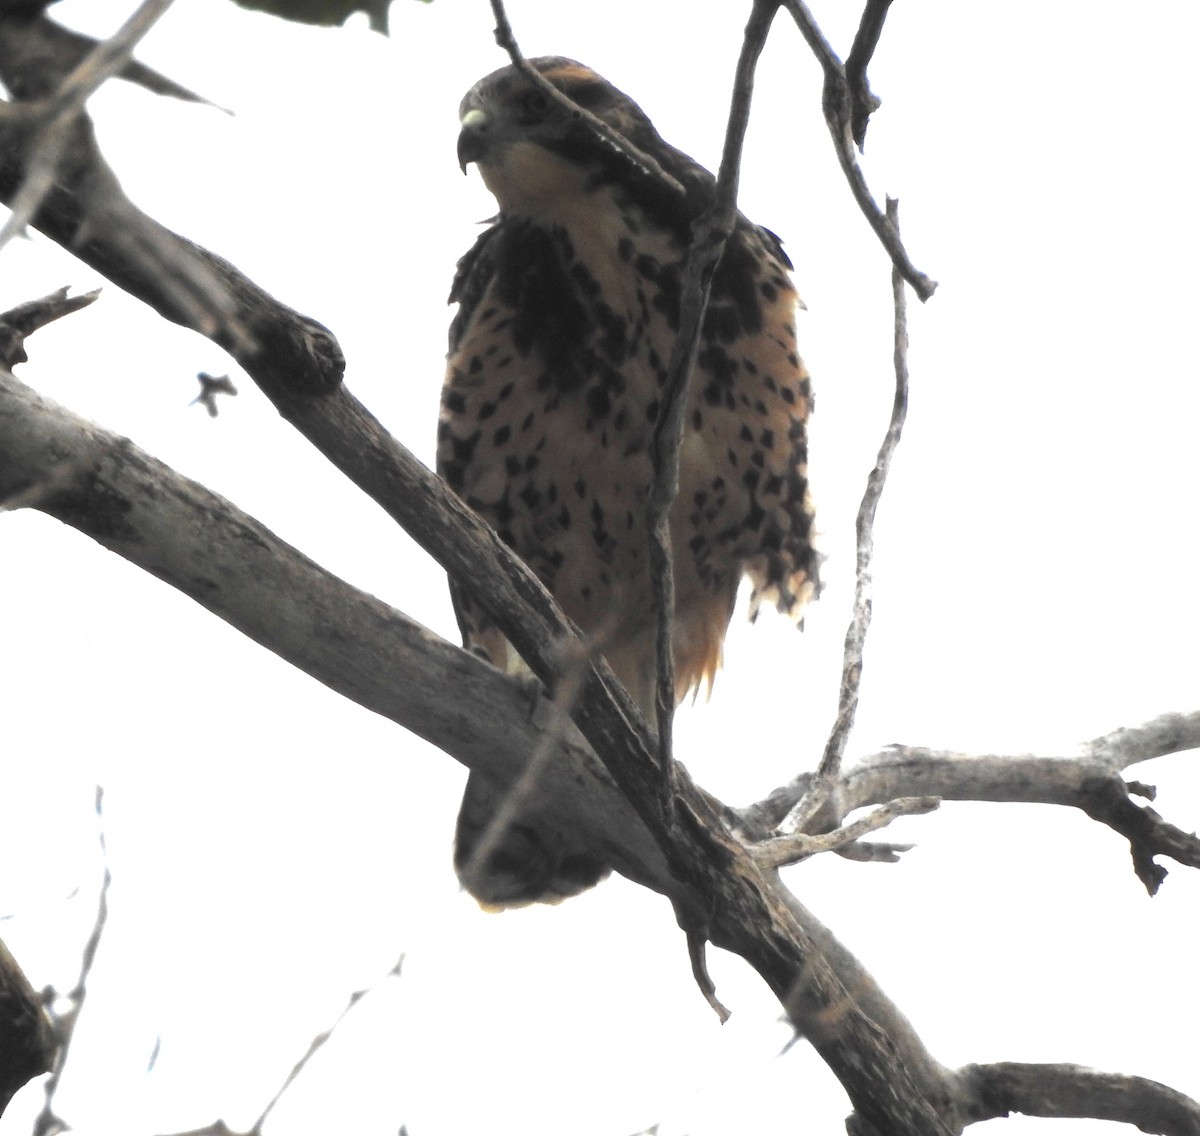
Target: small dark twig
{"x": 863, "y": 102}
{"x": 697, "y": 945}
{"x": 860, "y": 620}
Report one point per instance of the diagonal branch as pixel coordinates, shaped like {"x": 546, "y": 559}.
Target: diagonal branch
{"x": 709, "y": 236}
{"x": 838, "y": 103}
{"x": 866, "y": 39}
{"x": 1092, "y": 783}
{"x": 56, "y": 111}
{"x": 201, "y": 545}
{"x": 1075, "y": 1091}
{"x": 23, "y": 320}
{"x": 317, "y": 1044}
{"x": 798, "y": 846}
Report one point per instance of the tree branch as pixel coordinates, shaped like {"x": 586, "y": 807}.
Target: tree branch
{"x": 1075, "y": 1091}
{"x": 709, "y": 236}
{"x": 838, "y": 103}
{"x": 1091, "y": 782}
{"x": 813, "y": 803}
{"x": 798, "y": 846}
{"x": 200, "y": 544}
{"x": 866, "y": 39}
{"x": 27, "y": 1042}
{"x": 64, "y": 1022}
{"x": 639, "y": 163}
{"x": 58, "y": 110}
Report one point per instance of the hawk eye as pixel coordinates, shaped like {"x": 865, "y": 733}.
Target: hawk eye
{"x": 533, "y": 104}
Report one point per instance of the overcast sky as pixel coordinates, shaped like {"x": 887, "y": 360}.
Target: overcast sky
{"x": 274, "y": 848}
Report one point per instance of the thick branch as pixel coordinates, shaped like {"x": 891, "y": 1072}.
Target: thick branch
{"x": 1092, "y": 782}
{"x": 200, "y": 544}
{"x": 639, "y": 164}
{"x": 27, "y": 1041}
{"x": 1074, "y": 1091}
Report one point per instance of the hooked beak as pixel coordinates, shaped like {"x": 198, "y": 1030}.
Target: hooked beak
{"x": 472, "y": 138}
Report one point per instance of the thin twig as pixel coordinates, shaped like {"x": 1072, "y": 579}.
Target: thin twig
{"x": 837, "y": 102}
{"x": 641, "y": 163}
{"x": 17, "y": 324}
{"x": 697, "y": 945}
{"x": 48, "y": 1122}
{"x": 710, "y": 234}
{"x": 61, "y": 109}
{"x": 798, "y": 846}
{"x": 860, "y": 619}
{"x": 319, "y": 1042}
{"x": 577, "y": 659}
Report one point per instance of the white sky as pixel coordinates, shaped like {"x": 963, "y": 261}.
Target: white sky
{"x": 274, "y": 848}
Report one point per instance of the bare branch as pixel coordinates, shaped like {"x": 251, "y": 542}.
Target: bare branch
{"x": 1075, "y": 1091}
{"x": 866, "y": 39}
{"x": 640, "y": 164}
{"x": 64, "y": 1022}
{"x": 85, "y": 210}
{"x": 799, "y": 846}
{"x": 860, "y": 618}
{"x": 1092, "y": 782}
{"x": 697, "y": 944}
{"x": 839, "y": 116}
{"x": 318, "y": 1043}
{"x": 27, "y": 1038}
{"x": 709, "y": 235}
{"x": 356, "y": 645}
{"x": 199, "y": 543}
{"x": 61, "y": 108}
{"x": 19, "y": 322}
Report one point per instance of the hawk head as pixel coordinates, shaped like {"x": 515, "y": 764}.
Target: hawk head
{"x": 535, "y": 155}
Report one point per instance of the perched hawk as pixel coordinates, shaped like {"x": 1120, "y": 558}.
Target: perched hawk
{"x": 568, "y": 309}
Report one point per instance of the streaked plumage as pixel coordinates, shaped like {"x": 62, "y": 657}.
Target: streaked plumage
{"x": 568, "y": 308}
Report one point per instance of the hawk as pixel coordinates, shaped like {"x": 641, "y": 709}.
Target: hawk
{"x": 568, "y": 310}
